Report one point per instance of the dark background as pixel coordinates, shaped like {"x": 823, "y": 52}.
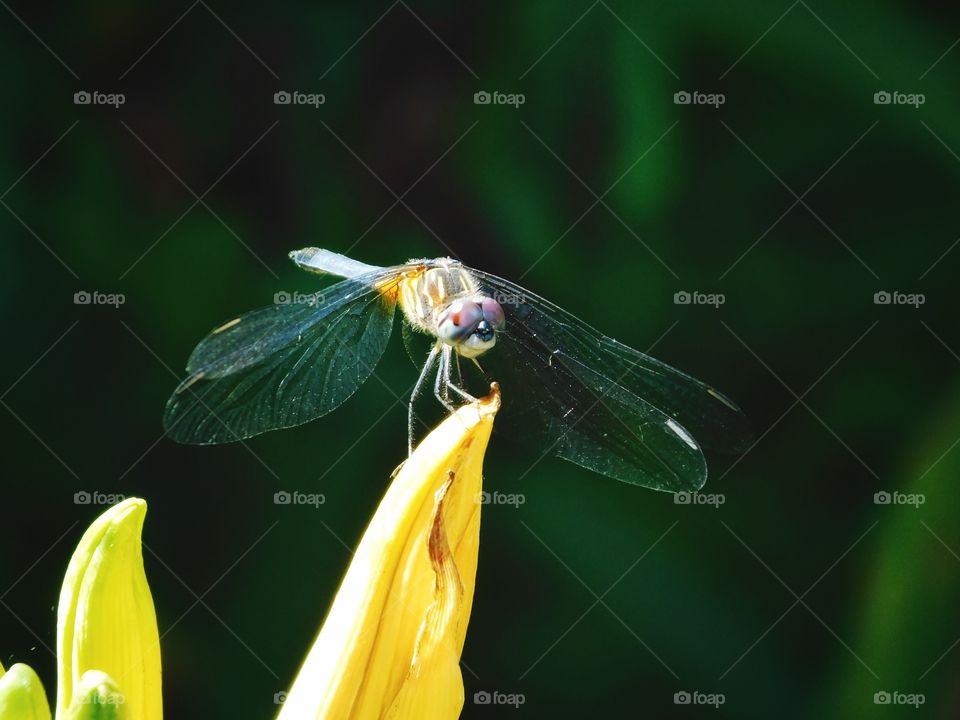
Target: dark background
{"x": 800, "y": 596}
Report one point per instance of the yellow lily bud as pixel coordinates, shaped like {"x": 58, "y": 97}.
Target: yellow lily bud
{"x": 97, "y": 698}
{"x": 390, "y": 646}
{"x": 21, "y": 695}
{"x": 106, "y": 620}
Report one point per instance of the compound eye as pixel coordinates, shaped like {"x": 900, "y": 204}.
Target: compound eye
{"x": 493, "y": 313}
{"x": 459, "y": 321}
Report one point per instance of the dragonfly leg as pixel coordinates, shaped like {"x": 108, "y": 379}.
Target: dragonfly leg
{"x": 448, "y": 382}
{"x": 442, "y": 381}
{"x": 462, "y": 393}
{"x": 431, "y": 359}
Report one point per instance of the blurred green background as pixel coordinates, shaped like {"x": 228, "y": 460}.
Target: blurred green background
{"x": 798, "y": 198}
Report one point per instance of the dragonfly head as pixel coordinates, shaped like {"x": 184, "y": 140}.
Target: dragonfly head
{"x": 471, "y": 326}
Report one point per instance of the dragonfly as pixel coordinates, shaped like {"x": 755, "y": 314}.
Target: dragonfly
{"x": 585, "y": 397}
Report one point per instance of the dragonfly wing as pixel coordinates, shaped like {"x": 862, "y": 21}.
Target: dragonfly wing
{"x": 589, "y": 420}
{"x": 612, "y": 408}
{"x": 712, "y": 417}
{"x": 326, "y": 262}
{"x": 709, "y": 415}
{"x": 283, "y": 365}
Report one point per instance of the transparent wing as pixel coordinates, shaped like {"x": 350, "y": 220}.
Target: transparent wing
{"x": 284, "y": 365}
{"x": 602, "y": 404}
{"x": 325, "y": 262}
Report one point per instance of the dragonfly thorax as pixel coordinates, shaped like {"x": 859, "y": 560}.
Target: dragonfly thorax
{"x": 445, "y": 301}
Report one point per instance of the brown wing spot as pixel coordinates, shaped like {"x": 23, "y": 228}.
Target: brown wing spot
{"x": 186, "y": 384}
{"x": 226, "y": 326}
{"x": 722, "y": 398}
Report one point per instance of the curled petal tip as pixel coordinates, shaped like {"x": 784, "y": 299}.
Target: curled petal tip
{"x": 491, "y": 403}
{"x": 131, "y": 508}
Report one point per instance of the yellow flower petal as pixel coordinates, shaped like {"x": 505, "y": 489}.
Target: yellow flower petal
{"x": 21, "y": 695}
{"x": 433, "y": 687}
{"x": 391, "y": 644}
{"x": 106, "y": 620}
